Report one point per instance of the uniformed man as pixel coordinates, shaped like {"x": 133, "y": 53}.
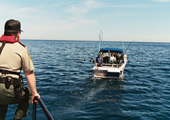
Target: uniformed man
{"x": 14, "y": 57}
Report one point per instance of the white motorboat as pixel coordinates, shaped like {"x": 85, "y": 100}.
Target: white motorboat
{"x": 110, "y": 70}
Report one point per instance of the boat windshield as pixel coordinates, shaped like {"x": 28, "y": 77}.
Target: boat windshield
{"x": 105, "y": 54}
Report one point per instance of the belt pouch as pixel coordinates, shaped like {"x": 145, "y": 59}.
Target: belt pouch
{"x": 8, "y": 82}
{"x": 18, "y": 87}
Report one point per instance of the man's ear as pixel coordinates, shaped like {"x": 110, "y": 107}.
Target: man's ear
{"x": 18, "y": 36}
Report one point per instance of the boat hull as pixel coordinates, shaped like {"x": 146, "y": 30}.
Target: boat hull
{"x": 110, "y": 71}
{"x": 106, "y": 74}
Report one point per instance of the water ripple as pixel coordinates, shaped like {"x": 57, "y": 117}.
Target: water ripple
{"x": 67, "y": 87}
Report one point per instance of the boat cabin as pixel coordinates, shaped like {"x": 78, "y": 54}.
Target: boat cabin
{"x": 117, "y": 53}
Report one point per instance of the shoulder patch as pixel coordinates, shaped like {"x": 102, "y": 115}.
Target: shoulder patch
{"x": 29, "y": 54}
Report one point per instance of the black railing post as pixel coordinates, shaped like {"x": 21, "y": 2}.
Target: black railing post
{"x": 34, "y": 109}
{"x": 45, "y": 109}
{"x": 47, "y": 113}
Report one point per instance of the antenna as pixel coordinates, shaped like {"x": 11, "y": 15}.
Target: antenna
{"x": 100, "y": 38}
{"x": 123, "y": 48}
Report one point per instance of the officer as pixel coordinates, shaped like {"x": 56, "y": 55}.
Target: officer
{"x": 14, "y": 57}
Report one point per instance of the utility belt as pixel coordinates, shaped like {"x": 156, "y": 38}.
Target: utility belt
{"x": 17, "y": 83}
{"x": 9, "y": 72}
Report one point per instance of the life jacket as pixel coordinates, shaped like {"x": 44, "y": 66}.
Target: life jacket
{"x": 8, "y": 39}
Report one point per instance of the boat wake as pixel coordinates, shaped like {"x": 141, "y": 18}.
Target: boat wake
{"x": 79, "y": 106}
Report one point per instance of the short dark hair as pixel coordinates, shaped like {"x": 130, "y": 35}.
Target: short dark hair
{"x": 10, "y": 33}
{"x": 12, "y": 27}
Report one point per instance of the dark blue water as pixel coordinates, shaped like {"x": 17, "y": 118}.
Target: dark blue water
{"x": 66, "y": 85}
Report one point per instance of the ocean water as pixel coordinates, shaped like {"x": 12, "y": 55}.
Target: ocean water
{"x": 65, "y": 82}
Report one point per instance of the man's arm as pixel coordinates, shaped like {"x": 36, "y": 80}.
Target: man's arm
{"x": 109, "y": 52}
{"x": 32, "y": 84}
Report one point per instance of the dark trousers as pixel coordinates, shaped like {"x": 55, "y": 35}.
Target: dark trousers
{"x": 7, "y": 97}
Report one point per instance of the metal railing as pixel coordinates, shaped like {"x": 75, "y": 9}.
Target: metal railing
{"x": 111, "y": 64}
{"x": 47, "y": 113}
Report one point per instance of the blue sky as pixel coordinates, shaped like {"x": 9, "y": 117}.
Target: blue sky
{"x": 120, "y": 20}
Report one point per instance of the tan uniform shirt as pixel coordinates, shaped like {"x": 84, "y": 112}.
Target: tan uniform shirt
{"x": 14, "y": 57}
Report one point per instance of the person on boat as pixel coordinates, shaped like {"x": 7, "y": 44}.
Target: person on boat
{"x": 112, "y": 58}
{"x": 99, "y": 59}
{"x": 117, "y": 58}
{"x": 14, "y": 57}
